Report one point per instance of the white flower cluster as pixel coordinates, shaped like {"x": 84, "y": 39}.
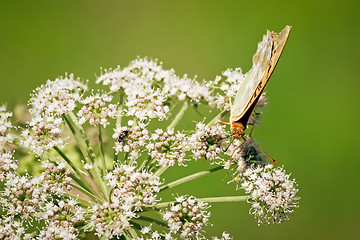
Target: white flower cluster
{"x": 208, "y": 141}
{"x": 7, "y": 165}
{"x": 47, "y": 104}
{"x": 139, "y": 188}
{"x": 5, "y": 126}
{"x": 21, "y": 196}
{"x": 272, "y": 193}
{"x": 61, "y": 219}
{"x": 111, "y": 219}
{"x": 130, "y": 139}
{"x": 56, "y": 97}
{"x": 77, "y": 191}
{"x": 11, "y": 228}
{"x": 44, "y": 133}
{"x": 55, "y": 179}
{"x": 187, "y": 216}
{"x": 149, "y": 88}
{"x": 167, "y": 147}
{"x": 96, "y": 110}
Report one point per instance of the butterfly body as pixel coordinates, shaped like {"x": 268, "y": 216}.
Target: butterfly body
{"x": 264, "y": 62}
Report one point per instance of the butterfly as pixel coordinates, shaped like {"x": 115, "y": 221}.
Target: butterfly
{"x": 264, "y": 62}
{"x": 250, "y": 90}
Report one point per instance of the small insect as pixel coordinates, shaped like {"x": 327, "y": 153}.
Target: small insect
{"x": 124, "y": 134}
{"x": 250, "y": 90}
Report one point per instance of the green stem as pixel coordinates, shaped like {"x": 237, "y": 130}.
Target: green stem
{"x": 153, "y": 220}
{"x": 89, "y": 194}
{"x": 80, "y": 200}
{"x": 218, "y": 117}
{"x": 82, "y": 181}
{"x": 72, "y": 165}
{"x": 161, "y": 170}
{"x": 163, "y": 205}
{"x": 102, "y": 151}
{"x": 209, "y": 200}
{"x": 190, "y": 177}
{"x": 144, "y": 163}
{"x": 87, "y": 151}
{"x": 225, "y": 199}
{"x": 179, "y": 115}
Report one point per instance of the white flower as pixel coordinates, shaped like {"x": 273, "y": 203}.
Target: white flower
{"x": 273, "y": 193}
{"x": 187, "y": 217}
{"x": 56, "y": 97}
{"x": 96, "y": 110}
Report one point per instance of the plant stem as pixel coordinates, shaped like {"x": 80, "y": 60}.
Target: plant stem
{"x": 82, "y": 181}
{"x": 190, "y": 177}
{"x": 160, "y": 171}
{"x": 225, "y": 199}
{"x": 221, "y": 115}
{"x": 79, "y": 199}
{"x": 209, "y": 200}
{"x": 72, "y": 165}
{"x": 86, "y": 150}
{"x": 89, "y": 194}
{"x": 179, "y": 115}
{"x": 153, "y": 220}
{"x": 102, "y": 151}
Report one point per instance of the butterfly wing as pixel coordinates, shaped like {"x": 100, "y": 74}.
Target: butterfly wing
{"x": 264, "y": 62}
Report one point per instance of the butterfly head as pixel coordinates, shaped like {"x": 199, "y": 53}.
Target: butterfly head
{"x": 237, "y": 129}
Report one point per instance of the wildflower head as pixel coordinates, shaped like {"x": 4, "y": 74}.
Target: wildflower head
{"x": 96, "y": 110}
{"x": 22, "y": 196}
{"x": 61, "y": 217}
{"x": 57, "y": 97}
{"x": 208, "y": 141}
{"x": 7, "y": 165}
{"x": 5, "y": 126}
{"x": 272, "y": 193}
{"x": 43, "y": 134}
{"x": 131, "y": 139}
{"x": 187, "y": 216}
{"x": 111, "y": 219}
{"x": 56, "y": 178}
{"x": 168, "y": 147}
{"x": 140, "y": 188}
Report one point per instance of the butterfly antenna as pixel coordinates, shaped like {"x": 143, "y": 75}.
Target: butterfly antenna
{"x": 264, "y": 152}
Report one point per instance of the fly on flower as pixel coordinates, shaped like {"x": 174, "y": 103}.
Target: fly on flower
{"x": 124, "y": 134}
{"x": 264, "y": 62}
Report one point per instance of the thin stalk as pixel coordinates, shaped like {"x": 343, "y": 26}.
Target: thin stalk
{"x": 89, "y": 194}
{"x": 153, "y": 220}
{"x": 82, "y": 181}
{"x": 72, "y": 165}
{"x": 190, "y": 177}
{"x": 225, "y": 199}
{"x": 87, "y": 151}
{"x": 161, "y": 170}
{"x": 133, "y": 233}
{"x": 209, "y": 200}
{"x": 102, "y": 151}
{"x": 163, "y": 205}
{"x": 179, "y": 115}
{"x": 79, "y": 199}
{"x": 144, "y": 163}
{"x": 218, "y": 117}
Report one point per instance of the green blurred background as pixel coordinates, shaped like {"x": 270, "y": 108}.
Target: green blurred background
{"x": 310, "y": 124}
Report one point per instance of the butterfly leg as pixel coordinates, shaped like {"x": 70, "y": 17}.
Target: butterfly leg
{"x": 225, "y": 123}
{"x": 252, "y": 129}
{"x": 237, "y": 148}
